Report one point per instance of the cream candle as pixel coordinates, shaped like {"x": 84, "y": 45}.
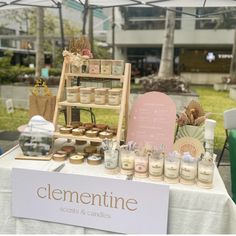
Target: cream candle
{"x": 141, "y": 166}
{"x": 111, "y": 158}
{"x": 156, "y": 166}
{"x": 188, "y": 169}
{"x": 127, "y": 162}
{"x": 171, "y": 169}
{"x": 205, "y": 174}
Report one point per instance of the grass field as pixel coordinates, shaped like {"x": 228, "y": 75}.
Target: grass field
{"x": 212, "y": 101}
{"x": 216, "y": 103}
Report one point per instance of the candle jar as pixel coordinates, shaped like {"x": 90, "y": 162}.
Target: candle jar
{"x": 171, "y": 170}
{"x": 141, "y": 166}
{"x": 72, "y": 94}
{"x": 156, "y": 167}
{"x": 205, "y": 174}
{"x": 100, "y": 96}
{"x": 117, "y": 67}
{"x": 114, "y": 97}
{"x": 127, "y": 162}
{"x": 106, "y": 67}
{"x": 86, "y": 95}
{"x": 94, "y": 66}
{"x": 84, "y": 66}
{"x": 188, "y": 170}
{"x": 111, "y": 161}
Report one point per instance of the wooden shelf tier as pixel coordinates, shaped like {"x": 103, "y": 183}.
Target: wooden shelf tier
{"x": 90, "y": 105}
{"x": 82, "y": 137}
{"x": 97, "y": 76}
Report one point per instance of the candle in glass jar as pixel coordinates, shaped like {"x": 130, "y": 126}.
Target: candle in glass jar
{"x": 141, "y": 166}
{"x": 205, "y": 174}
{"x": 127, "y": 162}
{"x": 172, "y": 170}
{"x": 111, "y": 159}
{"x": 156, "y": 167}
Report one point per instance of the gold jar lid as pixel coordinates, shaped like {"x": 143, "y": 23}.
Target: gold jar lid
{"x": 86, "y": 90}
{"x": 77, "y": 159}
{"x": 94, "y": 61}
{"x": 65, "y": 130}
{"x": 100, "y": 90}
{"x": 114, "y": 91}
{"x": 73, "y": 89}
{"x": 91, "y": 133}
{"x": 78, "y": 131}
{"x": 94, "y": 160}
{"x": 105, "y": 134}
{"x": 90, "y": 149}
{"x": 59, "y": 157}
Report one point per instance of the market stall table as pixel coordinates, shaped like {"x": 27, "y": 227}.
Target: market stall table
{"x": 192, "y": 210}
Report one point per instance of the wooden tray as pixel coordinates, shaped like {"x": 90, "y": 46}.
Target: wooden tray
{"x": 33, "y": 158}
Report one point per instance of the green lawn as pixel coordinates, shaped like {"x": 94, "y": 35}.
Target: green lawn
{"x": 216, "y": 103}
{"x": 212, "y": 101}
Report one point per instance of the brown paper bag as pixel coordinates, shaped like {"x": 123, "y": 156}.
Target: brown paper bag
{"x": 43, "y": 106}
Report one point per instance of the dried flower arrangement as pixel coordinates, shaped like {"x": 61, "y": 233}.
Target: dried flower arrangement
{"x": 78, "y": 51}
{"x": 193, "y": 115}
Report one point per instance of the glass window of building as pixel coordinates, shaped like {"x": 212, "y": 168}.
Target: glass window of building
{"x": 216, "y": 18}
{"x": 147, "y": 18}
{"x": 8, "y": 43}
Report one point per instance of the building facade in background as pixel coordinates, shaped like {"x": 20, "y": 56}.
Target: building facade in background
{"x": 202, "y": 45}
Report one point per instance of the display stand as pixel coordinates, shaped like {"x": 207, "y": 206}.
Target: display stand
{"x": 65, "y": 80}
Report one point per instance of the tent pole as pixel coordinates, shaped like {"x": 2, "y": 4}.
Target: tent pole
{"x": 61, "y": 26}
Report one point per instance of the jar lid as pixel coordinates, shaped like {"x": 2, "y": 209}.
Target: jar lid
{"x": 86, "y": 89}
{"x": 77, "y": 159}
{"x": 115, "y": 90}
{"x": 97, "y": 90}
{"x": 94, "y": 160}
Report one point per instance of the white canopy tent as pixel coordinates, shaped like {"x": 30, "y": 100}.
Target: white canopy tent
{"x": 161, "y": 3}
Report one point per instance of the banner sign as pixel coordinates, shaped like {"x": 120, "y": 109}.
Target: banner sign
{"x": 152, "y": 121}
{"x": 102, "y": 203}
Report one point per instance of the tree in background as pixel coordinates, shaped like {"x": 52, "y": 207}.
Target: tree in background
{"x": 166, "y": 69}
{"x": 39, "y": 41}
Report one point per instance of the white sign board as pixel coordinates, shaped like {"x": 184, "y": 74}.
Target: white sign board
{"x": 9, "y": 106}
{"x": 108, "y": 204}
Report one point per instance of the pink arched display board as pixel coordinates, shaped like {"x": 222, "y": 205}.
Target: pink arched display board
{"x": 152, "y": 121}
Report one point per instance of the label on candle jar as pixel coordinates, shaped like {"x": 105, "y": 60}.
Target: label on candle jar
{"x": 100, "y": 99}
{"x": 85, "y": 98}
{"x": 171, "y": 170}
{"x": 72, "y": 97}
{"x": 205, "y": 175}
{"x": 141, "y": 166}
{"x": 156, "y": 167}
{"x": 127, "y": 163}
{"x": 111, "y": 163}
{"x": 188, "y": 172}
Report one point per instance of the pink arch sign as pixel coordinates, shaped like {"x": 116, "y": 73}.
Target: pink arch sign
{"x": 152, "y": 121}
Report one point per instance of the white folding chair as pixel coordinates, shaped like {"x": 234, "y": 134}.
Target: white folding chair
{"x": 229, "y": 123}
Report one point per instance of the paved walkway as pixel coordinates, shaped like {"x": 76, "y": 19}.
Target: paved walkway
{"x": 224, "y": 170}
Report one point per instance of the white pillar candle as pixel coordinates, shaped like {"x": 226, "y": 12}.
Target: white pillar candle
{"x": 188, "y": 171}
{"x": 156, "y": 166}
{"x": 172, "y": 169}
{"x": 205, "y": 174}
{"x": 141, "y": 164}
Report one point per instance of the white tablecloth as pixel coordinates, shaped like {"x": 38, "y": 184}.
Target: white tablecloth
{"x": 192, "y": 210}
